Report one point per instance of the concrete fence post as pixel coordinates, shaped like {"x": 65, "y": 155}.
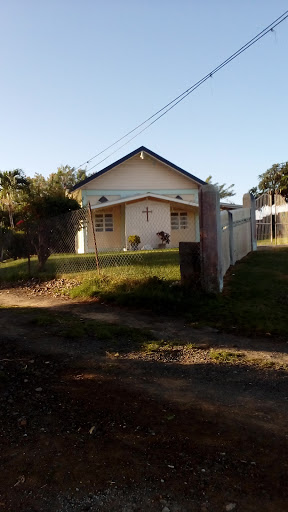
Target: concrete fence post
{"x": 210, "y": 239}
{"x": 231, "y": 238}
{"x": 250, "y": 202}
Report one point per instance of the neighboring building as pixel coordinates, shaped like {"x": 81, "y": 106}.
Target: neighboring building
{"x": 140, "y": 194}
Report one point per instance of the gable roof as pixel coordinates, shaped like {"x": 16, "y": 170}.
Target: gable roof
{"x": 130, "y": 155}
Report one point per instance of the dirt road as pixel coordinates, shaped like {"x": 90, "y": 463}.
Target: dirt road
{"x": 85, "y": 428}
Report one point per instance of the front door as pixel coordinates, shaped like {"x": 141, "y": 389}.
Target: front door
{"x": 145, "y": 219}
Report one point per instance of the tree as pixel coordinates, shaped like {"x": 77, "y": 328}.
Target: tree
{"x": 58, "y": 183}
{"x": 255, "y": 192}
{"x": 35, "y": 203}
{"x": 45, "y": 202}
{"x": 46, "y": 223}
{"x": 38, "y": 185}
{"x": 11, "y": 184}
{"x": 274, "y": 180}
{"x": 223, "y": 190}
{"x": 4, "y": 222}
{"x": 65, "y": 178}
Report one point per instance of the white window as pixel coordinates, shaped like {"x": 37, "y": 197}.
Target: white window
{"x": 103, "y": 222}
{"x": 179, "y": 220}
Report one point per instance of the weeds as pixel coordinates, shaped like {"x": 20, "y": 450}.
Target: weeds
{"x": 154, "y": 346}
{"x": 266, "y": 364}
{"x": 190, "y": 346}
{"x": 224, "y": 356}
{"x": 151, "y": 347}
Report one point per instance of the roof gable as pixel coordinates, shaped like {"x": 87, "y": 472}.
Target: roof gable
{"x": 131, "y": 155}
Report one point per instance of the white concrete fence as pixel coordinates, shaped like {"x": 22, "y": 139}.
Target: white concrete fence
{"x": 236, "y": 237}
{"x": 225, "y": 237}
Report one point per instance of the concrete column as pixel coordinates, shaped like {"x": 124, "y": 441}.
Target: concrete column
{"x": 231, "y": 238}
{"x": 210, "y": 239}
{"x": 250, "y": 202}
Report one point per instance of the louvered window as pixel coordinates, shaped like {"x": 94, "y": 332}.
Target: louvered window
{"x": 103, "y": 222}
{"x": 179, "y": 220}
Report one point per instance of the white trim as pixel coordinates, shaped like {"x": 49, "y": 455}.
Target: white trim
{"x": 143, "y": 196}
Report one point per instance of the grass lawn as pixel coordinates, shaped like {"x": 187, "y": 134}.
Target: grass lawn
{"x": 254, "y": 300}
{"x": 280, "y": 241}
{"x": 161, "y": 263}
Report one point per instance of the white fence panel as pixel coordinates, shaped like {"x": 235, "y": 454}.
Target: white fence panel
{"x": 242, "y": 241}
{"x": 236, "y": 240}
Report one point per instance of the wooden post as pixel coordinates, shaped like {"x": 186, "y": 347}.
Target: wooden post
{"x": 94, "y": 238}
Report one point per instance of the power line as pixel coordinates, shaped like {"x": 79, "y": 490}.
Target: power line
{"x": 169, "y": 106}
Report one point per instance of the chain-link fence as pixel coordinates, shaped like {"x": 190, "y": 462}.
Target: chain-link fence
{"x": 139, "y": 240}
{"x": 281, "y": 220}
{"x": 272, "y": 219}
{"x": 264, "y": 218}
{"x": 75, "y": 250}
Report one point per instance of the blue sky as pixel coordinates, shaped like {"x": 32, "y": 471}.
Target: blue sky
{"x": 76, "y": 75}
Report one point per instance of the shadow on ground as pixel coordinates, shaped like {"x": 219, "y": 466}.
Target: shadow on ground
{"x": 83, "y": 429}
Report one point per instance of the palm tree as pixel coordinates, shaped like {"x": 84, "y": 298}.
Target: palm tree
{"x": 11, "y": 183}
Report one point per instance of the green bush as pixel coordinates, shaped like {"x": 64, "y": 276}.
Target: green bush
{"x": 14, "y": 244}
{"x": 134, "y": 241}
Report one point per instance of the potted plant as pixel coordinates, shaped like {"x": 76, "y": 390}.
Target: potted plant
{"x": 165, "y": 239}
{"x": 134, "y": 241}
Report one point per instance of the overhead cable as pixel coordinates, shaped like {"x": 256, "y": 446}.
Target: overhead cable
{"x": 169, "y": 106}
